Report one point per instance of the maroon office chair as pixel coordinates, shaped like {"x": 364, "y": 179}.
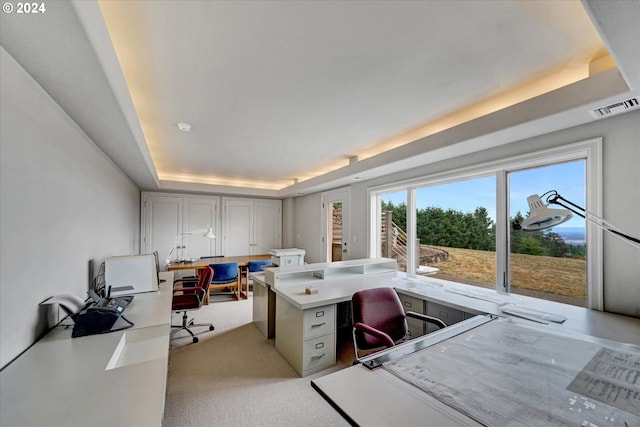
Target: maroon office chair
{"x": 379, "y": 321}
{"x": 191, "y": 298}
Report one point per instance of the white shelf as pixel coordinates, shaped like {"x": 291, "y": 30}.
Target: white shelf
{"x": 281, "y": 276}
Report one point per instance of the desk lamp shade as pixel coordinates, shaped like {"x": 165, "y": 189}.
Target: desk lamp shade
{"x": 542, "y": 217}
{"x": 208, "y": 232}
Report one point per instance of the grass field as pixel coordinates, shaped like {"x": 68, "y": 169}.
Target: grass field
{"x": 559, "y": 276}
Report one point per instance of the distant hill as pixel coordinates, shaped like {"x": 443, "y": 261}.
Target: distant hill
{"x": 572, "y": 235}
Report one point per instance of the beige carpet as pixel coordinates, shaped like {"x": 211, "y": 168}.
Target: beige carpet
{"x": 235, "y": 377}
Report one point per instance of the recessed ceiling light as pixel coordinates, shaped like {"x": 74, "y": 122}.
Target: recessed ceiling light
{"x": 184, "y": 127}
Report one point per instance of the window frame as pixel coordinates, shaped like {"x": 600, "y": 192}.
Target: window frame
{"x": 589, "y": 150}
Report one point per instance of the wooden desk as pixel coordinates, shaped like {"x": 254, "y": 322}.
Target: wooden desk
{"x": 242, "y": 260}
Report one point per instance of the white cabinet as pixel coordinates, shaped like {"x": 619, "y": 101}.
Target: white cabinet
{"x": 251, "y": 226}
{"x": 243, "y": 226}
{"x": 199, "y": 213}
{"x": 165, "y": 216}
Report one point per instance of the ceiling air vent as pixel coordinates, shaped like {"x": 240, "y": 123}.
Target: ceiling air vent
{"x": 617, "y": 108}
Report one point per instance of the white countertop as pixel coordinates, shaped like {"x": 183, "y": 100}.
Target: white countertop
{"x": 64, "y": 381}
{"x": 467, "y": 298}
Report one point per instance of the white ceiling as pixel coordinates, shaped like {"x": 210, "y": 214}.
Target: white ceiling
{"x": 284, "y": 90}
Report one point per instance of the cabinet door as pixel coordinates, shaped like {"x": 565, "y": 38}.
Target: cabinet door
{"x": 162, "y": 223}
{"x": 447, "y": 314}
{"x": 238, "y": 227}
{"x": 199, "y": 214}
{"x": 267, "y": 226}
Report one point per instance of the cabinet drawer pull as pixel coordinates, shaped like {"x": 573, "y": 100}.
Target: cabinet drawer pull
{"x": 317, "y": 325}
{"x": 318, "y": 356}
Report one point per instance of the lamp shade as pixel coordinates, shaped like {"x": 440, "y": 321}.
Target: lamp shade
{"x": 209, "y": 234}
{"x": 542, "y": 217}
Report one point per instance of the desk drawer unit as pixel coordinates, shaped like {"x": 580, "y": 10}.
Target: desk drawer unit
{"x": 447, "y": 314}
{"x": 318, "y": 352}
{"x": 416, "y": 328}
{"x": 319, "y": 321}
{"x": 306, "y": 338}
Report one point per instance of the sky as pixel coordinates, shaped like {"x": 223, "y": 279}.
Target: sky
{"x": 566, "y": 178}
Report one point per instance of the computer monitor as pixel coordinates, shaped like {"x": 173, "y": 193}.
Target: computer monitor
{"x": 131, "y": 274}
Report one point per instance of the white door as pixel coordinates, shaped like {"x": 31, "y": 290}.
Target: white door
{"x": 267, "y": 228}
{"x": 199, "y": 214}
{"x": 162, "y": 223}
{"x": 335, "y": 224}
{"x": 237, "y": 227}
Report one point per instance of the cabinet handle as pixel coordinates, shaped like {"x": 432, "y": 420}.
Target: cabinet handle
{"x": 317, "y": 325}
{"x": 318, "y": 356}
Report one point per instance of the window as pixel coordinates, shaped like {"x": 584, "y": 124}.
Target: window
{"x": 548, "y": 264}
{"x": 459, "y": 225}
{"x": 393, "y": 227}
{"x": 455, "y": 226}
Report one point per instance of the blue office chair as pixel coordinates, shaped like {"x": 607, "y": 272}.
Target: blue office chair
{"x": 257, "y": 265}
{"x": 195, "y": 278}
{"x": 225, "y": 276}
{"x": 251, "y": 267}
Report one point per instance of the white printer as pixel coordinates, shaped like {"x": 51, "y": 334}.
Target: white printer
{"x": 287, "y": 257}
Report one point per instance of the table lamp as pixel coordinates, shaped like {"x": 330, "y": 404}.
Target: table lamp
{"x": 208, "y": 232}
{"x": 541, "y": 217}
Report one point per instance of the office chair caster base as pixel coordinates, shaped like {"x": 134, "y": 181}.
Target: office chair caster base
{"x": 195, "y": 340}
{"x": 211, "y": 328}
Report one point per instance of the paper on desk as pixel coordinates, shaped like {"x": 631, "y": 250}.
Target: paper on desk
{"x": 506, "y": 374}
{"x": 612, "y": 377}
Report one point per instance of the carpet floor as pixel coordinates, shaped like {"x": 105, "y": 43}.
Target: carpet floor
{"x": 235, "y": 377}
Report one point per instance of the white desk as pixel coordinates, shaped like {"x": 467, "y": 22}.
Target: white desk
{"x": 264, "y": 305}
{"x": 534, "y": 385}
{"x": 64, "y": 381}
{"x": 293, "y": 330}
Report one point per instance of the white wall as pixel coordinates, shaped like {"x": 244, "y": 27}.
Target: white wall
{"x": 62, "y": 203}
{"x": 308, "y": 227}
{"x": 621, "y": 201}
{"x": 288, "y": 222}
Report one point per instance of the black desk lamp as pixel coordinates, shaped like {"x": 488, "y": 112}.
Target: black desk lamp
{"x": 542, "y": 217}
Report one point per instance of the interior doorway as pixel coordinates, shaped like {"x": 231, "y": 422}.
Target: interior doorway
{"x": 335, "y": 227}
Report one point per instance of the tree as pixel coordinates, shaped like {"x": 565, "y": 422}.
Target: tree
{"x": 476, "y": 230}
{"x": 531, "y": 246}
{"x": 554, "y": 245}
